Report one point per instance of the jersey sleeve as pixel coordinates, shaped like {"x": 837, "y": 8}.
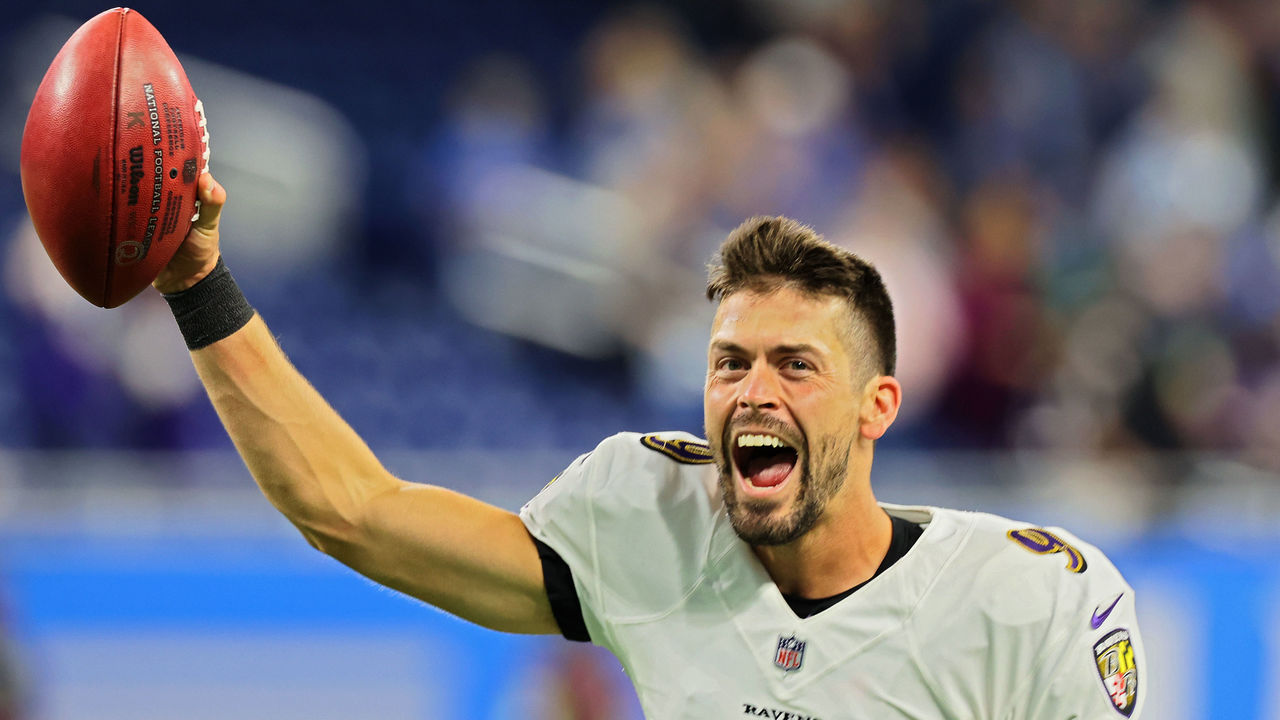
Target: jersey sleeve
{"x": 1092, "y": 664}
{"x": 561, "y": 519}
{"x": 629, "y": 519}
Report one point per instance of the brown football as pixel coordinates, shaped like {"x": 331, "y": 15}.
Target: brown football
{"x": 112, "y": 149}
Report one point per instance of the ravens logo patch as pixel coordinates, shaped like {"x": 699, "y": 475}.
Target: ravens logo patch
{"x": 1118, "y": 668}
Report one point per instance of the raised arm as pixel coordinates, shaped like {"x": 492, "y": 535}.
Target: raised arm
{"x": 457, "y": 553}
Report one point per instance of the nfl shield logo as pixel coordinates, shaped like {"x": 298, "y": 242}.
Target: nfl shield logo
{"x": 790, "y": 653}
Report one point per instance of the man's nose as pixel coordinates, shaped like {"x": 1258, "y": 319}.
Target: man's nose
{"x": 759, "y": 389}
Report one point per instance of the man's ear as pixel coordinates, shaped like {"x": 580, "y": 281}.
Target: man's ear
{"x": 881, "y": 398}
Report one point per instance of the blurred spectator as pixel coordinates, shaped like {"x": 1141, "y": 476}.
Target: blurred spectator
{"x": 1010, "y": 342}
{"x": 92, "y": 378}
{"x": 895, "y": 221}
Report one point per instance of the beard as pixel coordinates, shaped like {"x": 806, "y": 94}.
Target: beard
{"x": 758, "y": 522}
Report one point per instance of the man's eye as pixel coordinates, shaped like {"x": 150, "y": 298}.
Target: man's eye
{"x": 798, "y": 366}
{"x": 732, "y": 365}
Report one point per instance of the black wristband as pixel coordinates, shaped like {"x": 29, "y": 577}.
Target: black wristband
{"x": 211, "y": 309}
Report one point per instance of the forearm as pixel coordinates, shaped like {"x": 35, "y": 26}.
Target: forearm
{"x": 465, "y": 556}
{"x": 309, "y": 463}
{"x": 457, "y": 553}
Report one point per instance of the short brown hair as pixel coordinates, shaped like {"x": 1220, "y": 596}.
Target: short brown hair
{"x": 765, "y": 253}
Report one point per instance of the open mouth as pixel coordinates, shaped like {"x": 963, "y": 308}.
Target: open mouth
{"x": 764, "y": 460}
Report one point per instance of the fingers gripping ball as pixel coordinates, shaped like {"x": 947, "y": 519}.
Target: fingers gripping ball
{"x": 112, "y": 150}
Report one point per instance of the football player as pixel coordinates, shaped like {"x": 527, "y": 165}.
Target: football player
{"x": 753, "y": 574}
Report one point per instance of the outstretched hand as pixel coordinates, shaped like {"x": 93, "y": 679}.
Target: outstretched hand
{"x": 198, "y": 253}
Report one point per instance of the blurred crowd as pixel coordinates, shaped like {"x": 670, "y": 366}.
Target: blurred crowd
{"x": 1074, "y": 205}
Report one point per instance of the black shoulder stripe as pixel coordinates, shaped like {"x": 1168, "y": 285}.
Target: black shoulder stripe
{"x": 682, "y": 451}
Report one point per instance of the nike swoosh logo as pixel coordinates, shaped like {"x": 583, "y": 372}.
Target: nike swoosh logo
{"x": 1099, "y": 618}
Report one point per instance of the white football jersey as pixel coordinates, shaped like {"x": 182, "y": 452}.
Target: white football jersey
{"x": 984, "y": 618}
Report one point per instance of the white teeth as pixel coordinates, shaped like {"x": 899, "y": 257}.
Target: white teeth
{"x": 760, "y": 441}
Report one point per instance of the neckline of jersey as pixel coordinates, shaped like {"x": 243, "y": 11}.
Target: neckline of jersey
{"x": 905, "y": 534}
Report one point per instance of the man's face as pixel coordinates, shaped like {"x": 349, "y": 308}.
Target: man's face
{"x": 781, "y": 409}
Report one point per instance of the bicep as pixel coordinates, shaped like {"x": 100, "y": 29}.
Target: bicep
{"x": 462, "y": 555}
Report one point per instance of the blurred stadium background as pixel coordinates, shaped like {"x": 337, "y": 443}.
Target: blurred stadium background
{"x": 479, "y": 229}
